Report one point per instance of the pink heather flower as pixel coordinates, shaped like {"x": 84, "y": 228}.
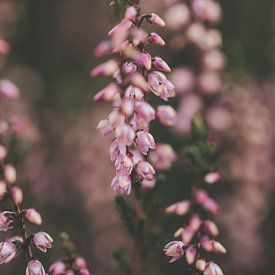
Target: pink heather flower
{"x": 129, "y": 67}
{"x": 105, "y": 69}
{"x": 84, "y": 272}
{"x": 211, "y": 206}
{"x": 121, "y": 184}
{"x": 160, "y": 85}
{"x": 137, "y": 156}
{"x": 130, "y": 13}
{"x": 110, "y": 92}
{"x": 3, "y": 189}
{"x": 212, "y": 177}
{"x": 117, "y": 150}
{"x": 167, "y": 115}
{"x": 179, "y": 208}
{"x": 8, "y": 90}
{"x": 187, "y": 234}
{"x": 211, "y": 228}
{"x": 4, "y": 47}
{"x": 144, "y": 142}
{"x": 218, "y": 247}
{"x": 212, "y": 269}
{"x": 5, "y": 222}
{"x": 124, "y": 164}
{"x": 161, "y": 65}
{"x": 213, "y": 60}
{"x": 153, "y": 18}
{"x": 103, "y": 48}
{"x": 210, "y": 82}
{"x": 43, "y": 241}
{"x": 200, "y": 265}
{"x": 69, "y": 272}
{"x": 156, "y": 39}
{"x": 139, "y": 36}
{"x": 134, "y": 93}
{"x": 145, "y": 170}
{"x": 80, "y": 263}
{"x": 33, "y": 216}
{"x": 57, "y": 268}
{"x": 195, "y": 222}
{"x": 175, "y": 250}
{"x": 163, "y": 156}
{"x": 10, "y": 173}
{"x": 144, "y": 59}
{"x": 127, "y": 106}
{"x": 3, "y": 152}
{"x": 138, "y": 80}
{"x": 190, "y": 255}
{"x": 145, "y": 111}
{"x": 35, "y": 267}
{"x": 105, "y": 127}
{"x": 7, "y": 252}
{"x": 177, "y": 16}
{"x": 16, "y": 195}
{"x": 120, "y": 30}
{"x": 148, "y": 183}
{"x": 201, "y": 196}
{"x": 206, "y": 244}
{"x": 196, "y": 33}
{"x": 125, "y": 134}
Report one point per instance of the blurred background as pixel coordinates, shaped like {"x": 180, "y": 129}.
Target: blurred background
{"x": 66, "y": 161}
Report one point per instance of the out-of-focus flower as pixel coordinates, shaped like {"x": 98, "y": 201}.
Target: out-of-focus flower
{"x": 212, "y": 269}
{"x": 35, "y": 267}
{"x": 7, "y": 252}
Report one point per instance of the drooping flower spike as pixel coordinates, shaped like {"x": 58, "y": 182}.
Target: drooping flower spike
{"x": 136, "y": 74}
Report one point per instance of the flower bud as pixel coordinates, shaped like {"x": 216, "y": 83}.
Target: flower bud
{"x": 175, "y": 250}
{"x": 57, "y": 268}
{"x": 84, "y": 272}
{"x": 35, "y": 267}
{"x": 145, "y": 170}
{"x": 156, "y": 39}
{"x": 7, "y": 252}
{"x": 200, "y": 265}
{"x": 163, "y": 156}
{"x": 144, "y": 60}
{"x": 4, "y": 222}
{"x": 130, "y": 13}
{"x": 80, "y": 263}
{"x": 17, "y": 195}
{"x": 3, "y": 189}
{"x": 3, "y": 152}
{"x": 187, "y": 234}
{"x": 108, "y": 93}
{"x": 125, "y": 134}
{"x": 183, "y": 79}
{"x": 179, "y": 208}
{"x": 129, "y": 67}
{"x": 190, "y": 255}
{"x": 33, "y": 216}
{"x": 218, "y": 247}
{"x": 138, "y": 80}
{"x": 161, "y": 65}
{"x": 211, "y": 228}
{"x": 195, "y": 222}
{"x": 103, "y": 48}
{"x": 144, "y": 142}
{"x": 43, "y": 241}
{"x": 206, "y": 244}
{"x": 212, "y": 177}
{"x": 211, "y": 206}
{"x": 121, "y": 184}
{"x": 127, "y": 106}
{"x": 212, "y": 269}
{"x": 167, "y": 115}
{"x": 105, "y": 69}
{"x": 8, "y": 90}
{"x": 210, "y": 82}
{"x": 153, "y": 18}
{"x": 148, "y": 183}
{"x": 145, "y": 111}
{"x": 10, "y": 173}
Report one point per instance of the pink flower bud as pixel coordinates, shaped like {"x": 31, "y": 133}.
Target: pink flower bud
{"x": 144, "y": 60}
{"x": 134, "y": 93}
{"x": 17, "y": 195}
{"x": 3, "y": 189}
{"x": 7, "y": 252}
{"x": 190, "y": 255}
{"x": 206, "y": 244}
{"x": 105, "y": 127}
{"x": 3, "y": 152}
{"x": 195, "y": 33}
{"x": 105, "y": 69}
{"x": 179, "y": 208}
{"x": 175, "y": 250}
{"x": 211, "y": 206}
{"x": 218, "y": 247}
{"x": 138, "y": 80}
{"x": 103, "y": 48}
{"x": 155, "y": 19}
{"x": 10, "y": 173}
{"x": 109, "y": 93}
{"x": 200, "y": 265}
{"x": 177, "y": 16}
{"x": 127, "y": 106}
{"x": 57, "y": 268}
{"x": 121, "y": 184}
{"x": 35, "y": 267}
{"x": 117, "y": 150}
{"x": 5, "y": 222}
{"x": 211, "y": 39}
{"x": 145, "y": 170}
{"x": 211, "y": 228}
{"x": 161, "y": 65}
{"x": 210, "y": 82}
{"x": 139, "y": 36}
{"x": 145, "y": 111}
{"x": 212, "y": 269}
{"x": 163, "y": 157}
{"x": 167, "y": 115}
{"x": 183, "y": 79}
{"x": 130, "y": 13}
{"x": 212, "y": 177}
{"x": 80, "y": 263}
{"x": 201, "y": 196}
{"x": 144, "y": 142}
{"x": 129, "y": 68}
{"x": 84, "y": 272}
{"x": 187, "y": 234}
{"x": 125, "y": 134}
{"x": 214, "y": 60}
{"x": 120, "y": 29}
{"x": 4, "y": 47}
{"x": 33, "y": 216}
{"x": 124, "y": 164}
{"x": 148, "y": 183}
{"x": 156, "y": 39}
{"x": 8, "y": 90}
{"x": 195, "y": 222}
{"x": 43, "y": 241}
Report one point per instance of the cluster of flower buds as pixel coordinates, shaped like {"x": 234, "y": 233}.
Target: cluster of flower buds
{"x": 136, "y": 75}
{"x": 14, "y": 219}
{"x": 193, "y": 23}
{"x": 198, "y": 235}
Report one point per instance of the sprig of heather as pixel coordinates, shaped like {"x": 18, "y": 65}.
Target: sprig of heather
{"x": 136, "y": 74}
{"x": 72, "y": 263}
{"x": 14, "y": 218}
{"x": 198, "y": 80}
